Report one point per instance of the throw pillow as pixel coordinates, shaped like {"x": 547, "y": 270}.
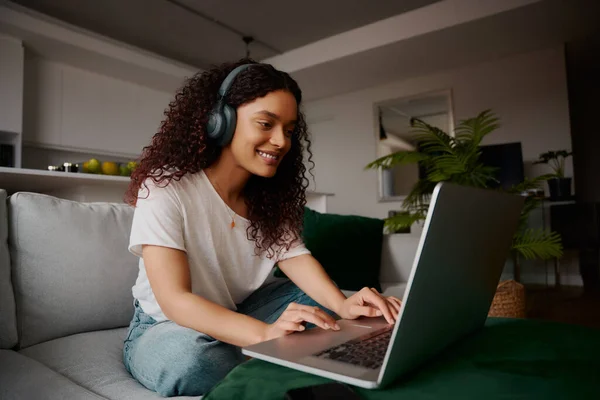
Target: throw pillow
{"x": 348, "y": 247}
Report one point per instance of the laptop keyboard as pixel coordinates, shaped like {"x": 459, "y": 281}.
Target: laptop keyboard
{"x": 366, "y": 351}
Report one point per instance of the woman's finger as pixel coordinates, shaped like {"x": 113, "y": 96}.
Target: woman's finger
{"x": 315, "y": 310}
{"x": 301, "y": 315}
{"x": 373, "y": 297}
{"x": 394, "y": 308}
{"x": 395, "y": 303}
{"x": 290, "y": 326}
{"x": 390, "y": 307}
{"x": 365, "y": 311}
{"x": 322, "y": 314}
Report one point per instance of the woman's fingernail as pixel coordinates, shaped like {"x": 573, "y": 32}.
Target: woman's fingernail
{"x": 301, "y": 327}
{"x": 337, "y": 327}
{"x": 378, "y": 313}
{"x": 327, "y": 325}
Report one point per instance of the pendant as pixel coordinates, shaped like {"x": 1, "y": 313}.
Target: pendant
{"x": 232, "y": 224}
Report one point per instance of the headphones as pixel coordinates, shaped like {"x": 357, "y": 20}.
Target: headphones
{"x": 222, "y": 119}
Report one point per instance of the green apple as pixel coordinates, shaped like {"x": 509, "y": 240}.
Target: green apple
{"x": 94, "y": 166}
{"x": 124, "y": 170}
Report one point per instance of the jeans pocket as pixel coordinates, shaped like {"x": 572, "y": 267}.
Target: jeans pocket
{"x": 139, "y": 323}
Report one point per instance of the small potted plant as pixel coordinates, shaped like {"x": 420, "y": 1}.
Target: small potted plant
{"x": 559, "y": 186}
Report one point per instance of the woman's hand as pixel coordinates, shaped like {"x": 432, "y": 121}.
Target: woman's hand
{"x": 370, "y": 303}
{"x": 293, "y": 319}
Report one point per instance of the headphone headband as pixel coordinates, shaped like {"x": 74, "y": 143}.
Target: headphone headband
{"x": 230, "y": 78}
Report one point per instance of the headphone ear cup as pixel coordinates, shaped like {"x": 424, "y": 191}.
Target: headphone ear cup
{"x": 230, "y": 121}
{"x": 215, "y": 125}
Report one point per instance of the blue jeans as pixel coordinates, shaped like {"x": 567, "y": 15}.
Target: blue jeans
{"x": 176, "y": 361}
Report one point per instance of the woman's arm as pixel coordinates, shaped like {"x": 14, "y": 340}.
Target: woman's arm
{"x": 306, "y": 272}
{"x": 169, "y": 276}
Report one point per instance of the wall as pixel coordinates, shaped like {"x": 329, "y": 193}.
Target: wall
{"x": 11, "y": 94}
{"x": 11, "y": 84}
{"x": 527, "y": 91}
{"x": 76, "y": 110}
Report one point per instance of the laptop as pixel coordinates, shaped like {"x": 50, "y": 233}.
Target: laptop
{"x": 462, "y": 251}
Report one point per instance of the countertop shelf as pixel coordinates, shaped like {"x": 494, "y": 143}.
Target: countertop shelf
{"x": 41, "y": 181}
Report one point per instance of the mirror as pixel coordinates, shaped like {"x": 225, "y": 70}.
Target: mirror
{"x": 393, "y": 133}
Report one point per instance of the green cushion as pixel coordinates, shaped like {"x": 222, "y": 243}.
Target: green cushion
{"x": 348, "y": 247}
{"x": 508, "y": 359}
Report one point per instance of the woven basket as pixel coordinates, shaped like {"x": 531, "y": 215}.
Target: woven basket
{"x": 509, "y": 300}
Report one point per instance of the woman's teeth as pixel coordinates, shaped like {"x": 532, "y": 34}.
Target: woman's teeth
{"x": 263, "y": 154}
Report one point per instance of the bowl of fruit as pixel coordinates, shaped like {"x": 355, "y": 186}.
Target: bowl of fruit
{"x": 95, "y": 166}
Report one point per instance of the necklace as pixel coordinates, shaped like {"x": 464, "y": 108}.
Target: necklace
{"x": 232, "y": 217}
{"x": 229, "y": 210}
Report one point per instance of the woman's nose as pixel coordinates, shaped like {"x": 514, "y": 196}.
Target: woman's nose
{"x": 278, "y": 137}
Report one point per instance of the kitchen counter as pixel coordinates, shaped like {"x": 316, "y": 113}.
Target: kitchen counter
{"x": 91, "y": 187}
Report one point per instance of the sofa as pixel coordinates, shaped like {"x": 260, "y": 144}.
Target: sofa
{"x": 66, "y": 302}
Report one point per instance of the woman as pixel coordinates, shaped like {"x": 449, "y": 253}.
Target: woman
{"x": 219, "y": 196}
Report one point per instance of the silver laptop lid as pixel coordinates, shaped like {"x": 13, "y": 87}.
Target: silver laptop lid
{"x": 463, "y": 248}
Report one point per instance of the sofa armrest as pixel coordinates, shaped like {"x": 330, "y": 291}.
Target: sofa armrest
{"x": 397, "y": 256}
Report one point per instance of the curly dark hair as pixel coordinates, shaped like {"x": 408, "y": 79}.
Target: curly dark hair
{"x": 181, "y": 146}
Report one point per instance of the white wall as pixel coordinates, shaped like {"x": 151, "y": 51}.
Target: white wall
{"x": 73, "y": 109}
{"x": 528, "y": 92}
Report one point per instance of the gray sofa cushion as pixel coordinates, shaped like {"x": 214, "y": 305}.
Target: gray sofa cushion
{"x": 24, "y": 378}
{"x": 93, "y": 360}
{"x": 8, "y": 319}
{"x": 71, "y": 268}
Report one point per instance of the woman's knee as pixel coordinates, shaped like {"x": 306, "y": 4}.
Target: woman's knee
{"x": 182, "y": 363}
{"x": 196, "y": 372}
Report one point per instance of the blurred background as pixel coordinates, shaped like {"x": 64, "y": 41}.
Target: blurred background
{"x": 84, "y": 84}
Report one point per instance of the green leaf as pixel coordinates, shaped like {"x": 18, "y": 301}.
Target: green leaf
{"x": 403, "y": 220}
{"x": 429, "y": 135}
{"x": 538, "y": 243}
{"x": 450, "y": 164}
{"x": 481, "y": 175}
{"x": 419, "y": 196}
{"x": 531, "y": 203}
{"x": 400, "y": 157}
{"x": 473, "y": 130}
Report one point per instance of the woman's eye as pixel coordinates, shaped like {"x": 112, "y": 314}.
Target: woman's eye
{"x": 265, "y": 125}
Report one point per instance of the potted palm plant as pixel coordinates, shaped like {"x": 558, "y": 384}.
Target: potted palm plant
{"x": 558, "y": 185}
{"x": 457, "y": 159}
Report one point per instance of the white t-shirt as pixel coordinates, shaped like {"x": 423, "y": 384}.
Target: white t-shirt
{"x": 190, "y": 215}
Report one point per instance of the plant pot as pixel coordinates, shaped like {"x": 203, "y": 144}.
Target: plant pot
{"x": 560, "y": 188}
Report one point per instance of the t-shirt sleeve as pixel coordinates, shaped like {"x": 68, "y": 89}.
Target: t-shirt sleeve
{"x": 296, "y": 249}
{"x": 157, "y": 219}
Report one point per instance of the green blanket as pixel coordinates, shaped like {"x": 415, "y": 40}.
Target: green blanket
{"x": 508, "y": 359}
